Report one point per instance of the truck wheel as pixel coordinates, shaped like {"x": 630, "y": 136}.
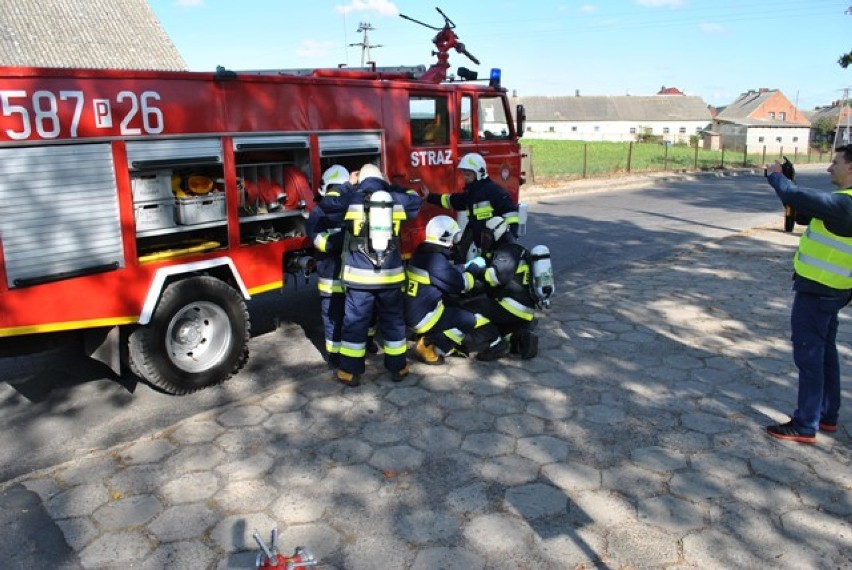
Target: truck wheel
{"x": 789, "y": 219}
{"x": 197, "y": 337}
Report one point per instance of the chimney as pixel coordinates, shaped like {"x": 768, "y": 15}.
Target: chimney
{"x": 763, "y": 90}
{"x": 576, "y": 92}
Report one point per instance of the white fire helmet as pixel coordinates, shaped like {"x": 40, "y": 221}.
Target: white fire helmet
{"x": 370, "y": 171}
{"x": 475, "y": 163}
{"x": 332, "y": 176}
{"x": 443, "y": 231}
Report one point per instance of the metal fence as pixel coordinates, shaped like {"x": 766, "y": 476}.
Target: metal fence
{"x": 576, "y": 159}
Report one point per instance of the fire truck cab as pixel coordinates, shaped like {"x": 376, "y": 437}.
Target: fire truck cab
{"x": 143, "y": 209}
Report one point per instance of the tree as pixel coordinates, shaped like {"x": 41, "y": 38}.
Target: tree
{"x": 823, "y": 133}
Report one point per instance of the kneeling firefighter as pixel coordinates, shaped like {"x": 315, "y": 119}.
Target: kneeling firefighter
{"x": 481, "y": 199}
{"x": 432, "y": 277}
{"x": 516, "y": 282}
{"x": 373, "y": 274}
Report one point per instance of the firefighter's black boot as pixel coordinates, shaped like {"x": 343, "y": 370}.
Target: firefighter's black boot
{"x": 527, "y": 344}
{"x": 493, "y": 352}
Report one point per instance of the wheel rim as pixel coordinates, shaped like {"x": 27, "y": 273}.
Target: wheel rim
{"x": 198, "y": 336}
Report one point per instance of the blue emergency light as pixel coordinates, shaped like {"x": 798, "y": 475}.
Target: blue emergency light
{"x": 495, "y": 78}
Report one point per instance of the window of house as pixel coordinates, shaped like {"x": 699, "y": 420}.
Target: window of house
{"x": 697, "y": 129}
{"x": 428, "y": 120}
{"x": 665, "y": 130}
{"x": 552, "y": 129}
{"x": 771, "y": 114}
{"x": 782, "y": 115}
{"x": 778, "y": 139}
{"x": 759, "y": 139}
{"x": 574, "y": 129}
{"x": 597, "y": 128}
{"x": 795, "y": 139}
{"x": 682, "y": 130}
{"x": 632, "y": 130}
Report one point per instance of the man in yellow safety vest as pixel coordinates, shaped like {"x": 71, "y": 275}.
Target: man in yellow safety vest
{"x": 822, "y": 285}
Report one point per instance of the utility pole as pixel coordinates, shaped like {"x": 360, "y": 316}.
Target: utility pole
{"x": 847, "y": 111}
{"x": 365, "y": 28}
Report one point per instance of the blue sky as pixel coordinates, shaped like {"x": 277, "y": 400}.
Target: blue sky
{"x": 715, "y": 49}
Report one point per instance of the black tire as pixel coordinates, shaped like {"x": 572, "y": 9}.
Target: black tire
{"x": 197, "y": 337}
{"x": 789, "y": 219}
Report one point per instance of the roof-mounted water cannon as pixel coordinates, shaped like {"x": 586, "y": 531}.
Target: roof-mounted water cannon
{"x": 445, "y": 40}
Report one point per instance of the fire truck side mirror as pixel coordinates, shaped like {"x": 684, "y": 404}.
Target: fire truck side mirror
{"x": 520, "y": 119}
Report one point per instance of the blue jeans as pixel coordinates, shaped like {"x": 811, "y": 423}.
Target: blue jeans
{"x": 813, "y": 321}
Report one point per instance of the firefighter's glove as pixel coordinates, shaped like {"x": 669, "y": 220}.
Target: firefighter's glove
{"x": 479, "y": 261}
{"x": 787, "y": 169}
{"x": 476, "y": 267}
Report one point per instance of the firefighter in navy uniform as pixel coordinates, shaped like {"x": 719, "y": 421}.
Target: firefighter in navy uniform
{"x": 509, "y": 298}
{"x": 481, "y": 199}
{"x": 373, "y": 273}
{"x": 327, "y": 238}
{"x": 432, "y": 277}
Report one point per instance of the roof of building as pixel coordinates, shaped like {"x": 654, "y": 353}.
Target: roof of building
{"x": 617, "y": 108}
{"x": 741, "y": 109}
{"x": 836, "y": 111}
{"x": 101, "y": 34}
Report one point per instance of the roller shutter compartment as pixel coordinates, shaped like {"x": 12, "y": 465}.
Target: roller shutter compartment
{"x": 59, "y": 213}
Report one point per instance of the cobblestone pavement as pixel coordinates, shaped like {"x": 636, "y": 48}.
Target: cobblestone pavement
{"x": 634, "y": 440}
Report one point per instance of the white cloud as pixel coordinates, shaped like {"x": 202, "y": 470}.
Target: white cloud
{"x": 660, "y": 3}
{"x": 711, "y": 28}
{"x": 381, "y": 7}
{"x": 314, "y": 49}
{"x": 588, "y": 9}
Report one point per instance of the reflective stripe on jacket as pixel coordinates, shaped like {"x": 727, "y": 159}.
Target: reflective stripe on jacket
{"x": 431, "y": 276}
{"x": 825, "y": 257}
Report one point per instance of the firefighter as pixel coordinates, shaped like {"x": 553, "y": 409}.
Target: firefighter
{"x": 482, "y": 199}
{"x": 373, "y": 273}
{"x": 327, "y": 237}
{"x": 509, "y": 298}
{"x": 442, "y": 328}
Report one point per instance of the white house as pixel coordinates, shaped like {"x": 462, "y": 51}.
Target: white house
{"x": 763, "y": 120}
{"x": 616, "y": 119}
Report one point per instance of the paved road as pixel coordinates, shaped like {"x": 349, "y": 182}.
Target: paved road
{"x": 634, "y": 440}
{"x": 79, "y": 406}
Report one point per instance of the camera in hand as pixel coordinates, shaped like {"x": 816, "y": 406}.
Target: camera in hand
{"x": 787, "y": 169}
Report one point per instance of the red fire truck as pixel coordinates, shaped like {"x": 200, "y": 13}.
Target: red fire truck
{"x": 141, "y": 210}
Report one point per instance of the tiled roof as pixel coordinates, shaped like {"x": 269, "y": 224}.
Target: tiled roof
{"x": 835, "y": 112}
{"x": 746, "y": 104}
{"x": 102, "y": 34}
{"x": 740, "y": 111}
{"x": 617, "y": 108}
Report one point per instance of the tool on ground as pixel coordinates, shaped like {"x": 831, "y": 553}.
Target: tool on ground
{"x": 270, "y": 559}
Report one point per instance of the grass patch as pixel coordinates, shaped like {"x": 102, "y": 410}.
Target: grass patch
{"x": 578, "y": 159}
